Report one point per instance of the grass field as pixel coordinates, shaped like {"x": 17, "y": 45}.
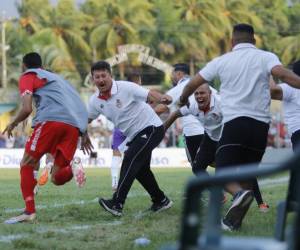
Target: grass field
{"x": 70, "y": 218}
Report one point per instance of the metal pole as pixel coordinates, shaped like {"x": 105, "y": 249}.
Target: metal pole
{"x": 3, "y": 50}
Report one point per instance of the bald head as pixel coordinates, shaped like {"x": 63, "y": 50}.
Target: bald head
{"x": 242, "y": 33}
{"x": 202, "y": 96}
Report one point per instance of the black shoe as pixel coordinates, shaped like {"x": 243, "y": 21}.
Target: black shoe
{"x": 162, "y": 205}
{"x": 235, "y": 214}
{"x": 111, "y": 206}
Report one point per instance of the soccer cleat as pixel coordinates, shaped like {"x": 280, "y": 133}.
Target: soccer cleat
{"x": 45, "y": 174}
{"x": 111, "y": 206}
{"x": 24, "y": 217}
{"x": 162, "y": 205}
{"x": 235, "y": 214}
{"x": 78, "y": 172}
{"x": 263, "y": 207}
{"x": 43, "y": 178}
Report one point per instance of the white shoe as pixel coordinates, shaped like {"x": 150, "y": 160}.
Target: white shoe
{"x": 21, "y": 218}
{"x": 78, "y": 172}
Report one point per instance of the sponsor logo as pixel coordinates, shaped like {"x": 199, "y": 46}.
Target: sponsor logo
{"x": 118, "y": 103}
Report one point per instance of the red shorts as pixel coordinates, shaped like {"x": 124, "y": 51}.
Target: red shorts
{"x": 51, "y": 137}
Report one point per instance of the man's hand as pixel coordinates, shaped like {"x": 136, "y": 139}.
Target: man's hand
{"x": 86, "y": 144}
{"x": 10, "y": 127}
{"x": 166, "y": 99}
{"x": 183, "y": 101}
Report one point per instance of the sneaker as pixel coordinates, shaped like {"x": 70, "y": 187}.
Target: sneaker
{"x": 78, "y": 172}
{"x": 263, "y": 207}
{"x": 235, "y": 214}
{"x": 111, "y": 206}
{"x": 24, "y": 217}
{"x": 162, "y": 205}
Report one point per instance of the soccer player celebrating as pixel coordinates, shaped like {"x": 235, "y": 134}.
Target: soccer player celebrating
{"x": 244, "y": 74}
{"x": 124, "y": 103}
{"x": 60, "y": 118}
{"x": 117, "y": 139}
{"x": 192, "y": 129}
{"x": 206, "y": 108}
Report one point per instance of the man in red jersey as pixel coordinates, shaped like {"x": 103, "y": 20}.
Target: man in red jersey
{"x": 60, "y": 118}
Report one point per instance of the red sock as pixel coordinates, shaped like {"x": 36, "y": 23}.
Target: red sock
{"x": 63, "y": 175}
{"x": 28, "y": 183}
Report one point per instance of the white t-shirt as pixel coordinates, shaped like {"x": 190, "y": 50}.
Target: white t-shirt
{"x": 211, "y": 120}
{"x": 244, "y": 74}
{"x": 291, "y": 107}
{"x": 190, "y": 125}
{"x": 126, "y": 108}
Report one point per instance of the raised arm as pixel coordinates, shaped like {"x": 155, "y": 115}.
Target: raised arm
{"x": 189, "y": 89}
{"x": 286, "y": 76}
{"x": 155, "y": 96}
{"x": 173, "y": 116}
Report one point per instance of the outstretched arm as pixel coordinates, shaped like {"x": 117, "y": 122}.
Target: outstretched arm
{"x": 189, "y": 89}
{"x": 173, "y": 116}
{"x": 286, "y": 76}
{"x": 161, "y": 108}
{"x": 23, "y": 113}
{"x": 156, "y": 97}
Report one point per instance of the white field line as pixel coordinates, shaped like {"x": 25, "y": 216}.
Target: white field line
{"x": 262, "y": 183}
{"x": 42, "y": 230}
{"x": 59, "y": 205}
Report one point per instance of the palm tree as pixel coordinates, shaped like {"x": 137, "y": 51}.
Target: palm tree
{"x": 63, "y": 27}
{"x": 116, "y": 25}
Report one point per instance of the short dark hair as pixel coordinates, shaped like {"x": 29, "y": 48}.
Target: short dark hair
{"x": 133, "y": 76}
{"x": 101, "y": 65}
{"x": 183, "y": 67}
{"x": 296, "y": 67}
{"x": 32, "y": 60}
{"x": 243, "y": 28}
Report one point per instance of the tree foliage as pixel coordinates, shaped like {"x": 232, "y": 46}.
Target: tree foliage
{"x": 70, "y": 37}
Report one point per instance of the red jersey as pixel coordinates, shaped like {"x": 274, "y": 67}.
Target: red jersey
{"x": 29, "y": 83}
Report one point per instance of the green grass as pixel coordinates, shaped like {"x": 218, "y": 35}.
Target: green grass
{"x": 82, "y": 224}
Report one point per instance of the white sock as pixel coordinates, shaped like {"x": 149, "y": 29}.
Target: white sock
{"x": 115, "y": 169}
{"x": 35, "y": 174}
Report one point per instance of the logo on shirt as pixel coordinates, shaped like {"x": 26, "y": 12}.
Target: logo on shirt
{"x": 101, "y": 106}
{"x": 118, "y": 103}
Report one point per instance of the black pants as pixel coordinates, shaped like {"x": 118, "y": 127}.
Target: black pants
{"x": 192, "y": 146}
{"x": 136, "y": 164}
{"x": 295, "y": 139}
{"x": 205, "y": 155}
{"x": 243, "y": 141}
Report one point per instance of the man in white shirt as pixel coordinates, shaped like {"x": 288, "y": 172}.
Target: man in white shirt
{"x": 244, "y": 74}
{"x": 124, "y": 104}
{"x": 205, "y": 107}
{"x": 192, "y": 129}
{"x": 291, "y": 105}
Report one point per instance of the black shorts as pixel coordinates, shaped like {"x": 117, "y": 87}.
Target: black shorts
{"x": 243, "y": 141}
{"x": 295, "y": 138}
{"x": 192, "y": 145}
{"x": 205, "y": 155}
